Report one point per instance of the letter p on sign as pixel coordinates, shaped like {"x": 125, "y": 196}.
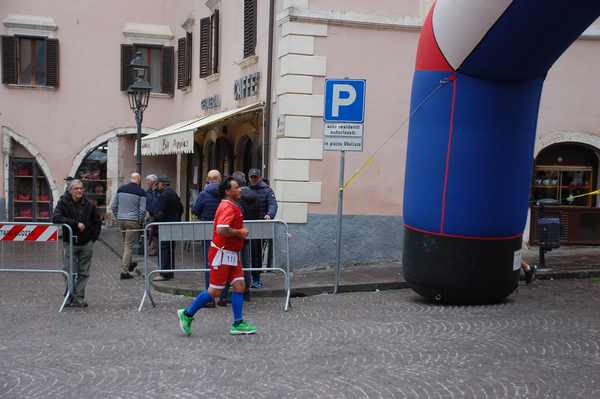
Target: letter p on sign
{"x": 345, "y": 100}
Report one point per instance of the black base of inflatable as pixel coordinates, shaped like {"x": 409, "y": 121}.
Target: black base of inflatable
{"x": 460, "y": 271}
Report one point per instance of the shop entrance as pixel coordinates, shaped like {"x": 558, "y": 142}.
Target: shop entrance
{"x": 562, "y": 170}
{"x": 92, "y": 172}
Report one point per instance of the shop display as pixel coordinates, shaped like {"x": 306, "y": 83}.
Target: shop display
{"x": 92, "y": 173}
{"x": 558, "y": 182}
{"x": 30, "y": 194}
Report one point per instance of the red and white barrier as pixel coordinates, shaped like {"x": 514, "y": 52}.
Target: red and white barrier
{"x": 28, "y": 232}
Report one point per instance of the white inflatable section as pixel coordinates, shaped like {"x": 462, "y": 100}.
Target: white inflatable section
{"x": 459, "y": 25}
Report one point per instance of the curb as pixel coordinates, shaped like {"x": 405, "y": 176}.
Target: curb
{"x": 365, "y": 287}
{"x": 296, "y": 292}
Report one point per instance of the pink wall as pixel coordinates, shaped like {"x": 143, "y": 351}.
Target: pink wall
{"x": 386, "y": 59}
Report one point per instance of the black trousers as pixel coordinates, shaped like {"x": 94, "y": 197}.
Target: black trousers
{"x": 167, "y": 257}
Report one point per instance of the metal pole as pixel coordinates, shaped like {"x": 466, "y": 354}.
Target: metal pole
{"x": 138, "y": 155}
{"x": 340, "y": 211}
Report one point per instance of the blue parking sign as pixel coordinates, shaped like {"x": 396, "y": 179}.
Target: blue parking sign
{"x": 345, "y": 100}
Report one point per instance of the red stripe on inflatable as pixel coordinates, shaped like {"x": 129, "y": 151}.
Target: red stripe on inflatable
{"x": 429, "y": 55}
{"x": 450, "y": 133}
{"x": 13, "y": 232}
{"x": 461, "y": 236}
{"x": 36, "y": 232}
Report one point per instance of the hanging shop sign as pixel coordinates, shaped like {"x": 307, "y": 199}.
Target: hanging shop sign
{"x": 211, "y": 102}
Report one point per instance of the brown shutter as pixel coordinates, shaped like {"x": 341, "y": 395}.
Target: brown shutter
{"x": 127, "y": 54}
{"x": 215, "y": 42}
{"x": 188, "y": 58}
{"x": 9, "y": 60}
{"x": 249, "y": 28}
{"x": 52, "y": 62}
{"x": 181, "y": 64}
{"x": 168, "y": 78}
{"x": 204, "y": 47}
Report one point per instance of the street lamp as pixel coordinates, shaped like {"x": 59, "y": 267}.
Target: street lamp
{"x": 138, "y": 93}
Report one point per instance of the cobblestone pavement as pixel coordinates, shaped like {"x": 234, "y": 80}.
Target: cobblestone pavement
{"x": 543, "y": 342}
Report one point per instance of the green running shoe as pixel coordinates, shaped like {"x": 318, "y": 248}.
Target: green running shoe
{"x": 242, "y": 328}
{"x": 185, "y": 322}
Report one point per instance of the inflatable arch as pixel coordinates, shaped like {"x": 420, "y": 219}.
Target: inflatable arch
{"x": 479, "y": 74}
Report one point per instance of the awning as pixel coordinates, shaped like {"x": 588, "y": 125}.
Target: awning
{"x": 179, "y": 138}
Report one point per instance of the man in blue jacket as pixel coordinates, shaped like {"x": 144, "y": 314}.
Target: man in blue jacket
{"x": 268, "y": 210}
{"x": 205, "y": 207}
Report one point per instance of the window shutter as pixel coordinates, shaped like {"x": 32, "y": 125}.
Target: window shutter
{"x": 168, "y": 78}
{"x": 127, "y": 54}
{"x": 9, "y": 60}
{"x": 249, "y": 28}
{"x": 215, "y": 42}
{"x": 204, "y": 47}
{"x": 181, "y": 64}
{"x": 188, "y": 58}
{"x": 52, "y": 62}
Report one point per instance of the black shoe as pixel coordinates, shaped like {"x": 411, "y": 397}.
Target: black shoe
{"x": 132, "y": 266}
{"x": 210, "y": 304}
{"x": 530, "y": 274}
{"x": 126, "y": 276}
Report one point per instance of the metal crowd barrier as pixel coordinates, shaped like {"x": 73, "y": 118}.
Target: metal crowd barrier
{"x": 191, "y": 235}
{"x": 37, "y": 248}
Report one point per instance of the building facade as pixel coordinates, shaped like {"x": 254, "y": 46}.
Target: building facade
{"x": 232, "y": 91}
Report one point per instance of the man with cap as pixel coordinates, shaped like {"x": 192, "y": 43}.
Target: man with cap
{"x": 267, "y": 204}
{"x": 169, "y": 209}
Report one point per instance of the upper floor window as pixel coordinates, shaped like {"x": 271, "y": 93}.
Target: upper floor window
{"x": 30, "y": 61}
{"x": 160, "y": 59}
{"x": 209, "y": 45}
{"x": 249, "y": 28}
{"x": 184, "y": 61}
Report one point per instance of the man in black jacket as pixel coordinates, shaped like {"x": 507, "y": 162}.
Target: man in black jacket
{"x": 268, "y": 209}
{"x": 85, "y": 221}
{"x": 169, "y": 209}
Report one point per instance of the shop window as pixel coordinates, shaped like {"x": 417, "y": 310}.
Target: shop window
{"x": 30, "y": 61}
{"x": 30, "y": 196}
{"x": 92, "y": 173}
{"x": 160, "y": 59}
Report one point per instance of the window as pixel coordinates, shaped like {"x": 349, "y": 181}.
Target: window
{"x": 30, "y": 61}
{"x": 209, "y": 45}
{"x": 249, "y": 28}
{"x": 184, "y": 61}
{"x": 160, "y": 59}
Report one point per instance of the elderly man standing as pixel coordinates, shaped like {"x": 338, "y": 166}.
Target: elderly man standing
{"x": 169, "y": 209}
{"x": 129, "y": 207}
{"x": 151, "y": 204}
{"x": 85, "y": 222}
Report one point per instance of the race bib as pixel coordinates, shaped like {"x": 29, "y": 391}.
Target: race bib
{"x": 225, "y": 258}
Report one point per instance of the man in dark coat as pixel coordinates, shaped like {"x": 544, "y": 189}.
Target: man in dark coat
{"x": 268, "y": 210}
{"x": 151, "y": 203}
{"x": 169, "y": 209}
{"x": 85, "y": 222}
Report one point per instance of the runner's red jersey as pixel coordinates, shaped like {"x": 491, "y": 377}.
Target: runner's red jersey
{"x": 228, "y": 214}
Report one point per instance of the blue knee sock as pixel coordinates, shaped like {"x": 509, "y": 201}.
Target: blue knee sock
{"x": 202, "y": 299}
{"x": 237, "y": 305}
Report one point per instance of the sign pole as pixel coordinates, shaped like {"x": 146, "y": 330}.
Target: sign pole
{"x": 340, "y": 212}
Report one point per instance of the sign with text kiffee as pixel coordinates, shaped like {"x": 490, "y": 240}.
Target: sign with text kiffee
{"x": 344, "y": 114}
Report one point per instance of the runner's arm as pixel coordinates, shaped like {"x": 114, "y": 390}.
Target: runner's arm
{"x": 227, "y": 231}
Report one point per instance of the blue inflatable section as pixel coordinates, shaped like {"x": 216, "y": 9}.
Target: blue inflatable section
{"x": 473, "y": 177}
{"x": 529, "y": 37}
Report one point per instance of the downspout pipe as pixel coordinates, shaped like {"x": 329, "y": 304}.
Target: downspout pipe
{"x": 266, "y": 152}
{"x": 470, "y": 146}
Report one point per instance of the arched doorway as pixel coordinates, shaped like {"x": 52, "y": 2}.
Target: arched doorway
{"x": 562, "y": 171}
{"x": 224, "y": 156}
{"x": 246, "y": 154}
{"x": 92, "y": 172}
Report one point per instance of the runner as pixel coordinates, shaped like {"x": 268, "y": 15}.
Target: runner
{"x": 225, "y": 262}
